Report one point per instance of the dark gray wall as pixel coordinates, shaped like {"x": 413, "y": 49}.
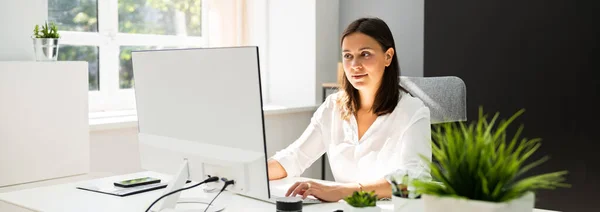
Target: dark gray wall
{"x": 405, "y": 19}
{"x": 541, "y": 55}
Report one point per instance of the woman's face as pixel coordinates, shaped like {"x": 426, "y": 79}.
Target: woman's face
{"x": 364, "y": 61}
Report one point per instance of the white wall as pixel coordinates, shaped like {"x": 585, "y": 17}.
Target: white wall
{"x": 291, "y": 47}
{"x": 327, "y": 43}
{"x": 302, "y": 45}
{"x": 117, "y": 151}
{"x": 406, "y": 20}
{"x": 18, "y": 18}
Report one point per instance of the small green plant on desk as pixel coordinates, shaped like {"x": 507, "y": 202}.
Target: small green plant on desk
{"x": 362, "y": 201}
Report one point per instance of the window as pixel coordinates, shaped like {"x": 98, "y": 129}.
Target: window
{"x": 104, "y": 32}
{"x": 83, "y": 53}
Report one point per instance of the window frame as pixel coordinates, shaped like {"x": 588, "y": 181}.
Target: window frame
{"x": 108, "y": 39}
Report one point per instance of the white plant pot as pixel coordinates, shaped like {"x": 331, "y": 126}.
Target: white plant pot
{"x": 349, "y": 208}
{"x": 442, "y": 204}
{"x": 405, "y": 204}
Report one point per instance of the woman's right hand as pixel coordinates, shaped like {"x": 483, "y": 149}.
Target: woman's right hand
{"x": 275, "y": 170}
{"x": 327, "y": 193}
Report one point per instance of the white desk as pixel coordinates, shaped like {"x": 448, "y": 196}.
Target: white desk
{"x": 67, "y": 198}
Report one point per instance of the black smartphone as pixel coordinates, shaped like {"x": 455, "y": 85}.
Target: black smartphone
{"x": 137, "y": 182}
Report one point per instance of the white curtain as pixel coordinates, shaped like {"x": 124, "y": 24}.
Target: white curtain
{"x": 230, "y": 22}
{"x": 240, "y": 23}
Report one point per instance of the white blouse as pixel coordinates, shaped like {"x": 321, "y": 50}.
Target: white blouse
{"x": 393, "y": 142}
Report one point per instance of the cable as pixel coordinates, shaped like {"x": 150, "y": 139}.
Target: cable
{"x": 227, "y": 183}
{"x": 210, "y": 179}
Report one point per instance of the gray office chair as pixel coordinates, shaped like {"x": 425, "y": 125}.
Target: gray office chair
{"x": 446, "y": 97}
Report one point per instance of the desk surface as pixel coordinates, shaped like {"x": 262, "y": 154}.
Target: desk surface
{"x": 65, "y": 197}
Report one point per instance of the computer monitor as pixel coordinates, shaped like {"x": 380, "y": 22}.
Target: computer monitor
{"x": 199, "y": 114}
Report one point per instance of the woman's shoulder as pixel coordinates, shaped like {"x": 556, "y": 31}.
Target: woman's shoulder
{"x": 411, "y": 106}
{"x": 410, "y": 101}
{"x": 331, "y": 100}
{"x": 328, "y": 106}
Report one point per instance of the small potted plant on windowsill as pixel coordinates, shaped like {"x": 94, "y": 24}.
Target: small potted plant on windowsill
{"x": 481, "y": 170}
{"x": 362, "y": 201}
{"x": 45, "y": 42}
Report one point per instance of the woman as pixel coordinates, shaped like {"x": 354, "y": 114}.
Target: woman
{"x": 370, "y": 128}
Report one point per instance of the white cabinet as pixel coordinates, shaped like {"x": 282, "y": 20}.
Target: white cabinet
{"x": 44, "y": 129}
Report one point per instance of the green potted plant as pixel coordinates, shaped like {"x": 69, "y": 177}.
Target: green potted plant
{"x": 482, "y": 169}
{"x": 362, "y": 201}
{"x": 404, "y": 195}
{"x": 45, "y": 42}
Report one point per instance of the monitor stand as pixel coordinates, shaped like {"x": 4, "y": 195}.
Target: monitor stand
{"x": 169, "y": 203}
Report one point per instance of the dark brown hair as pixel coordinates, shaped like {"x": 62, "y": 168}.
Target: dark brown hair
{"x": 388, "y": 93}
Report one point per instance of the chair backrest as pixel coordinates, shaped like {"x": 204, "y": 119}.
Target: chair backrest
{"x": 445, "y": 96}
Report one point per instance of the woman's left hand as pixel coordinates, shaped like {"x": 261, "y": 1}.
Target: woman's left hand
{"x": 322, "y": 192}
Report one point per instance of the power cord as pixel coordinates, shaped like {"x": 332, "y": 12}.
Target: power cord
{"x": 209, "y": 180}
{"x": 227, "y": 183}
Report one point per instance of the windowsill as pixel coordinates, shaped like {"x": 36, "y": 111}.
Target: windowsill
{"x": 113, "y": 120}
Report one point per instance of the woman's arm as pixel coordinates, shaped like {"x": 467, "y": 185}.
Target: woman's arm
{"x": 276, "y": 171}
{"x": 298, "y": 156}
{"x": 334, "y": 193}
{"x": 382, "y": 188}
{"x": 415, "y": 143}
